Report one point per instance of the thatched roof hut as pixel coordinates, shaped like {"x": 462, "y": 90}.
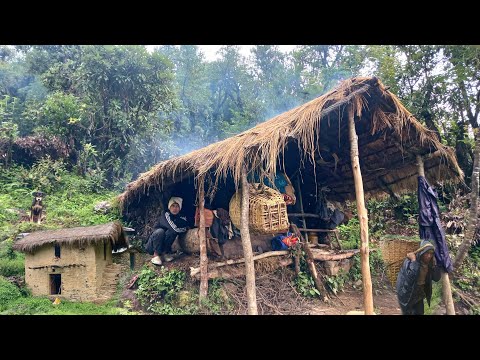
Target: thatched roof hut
{"x": 314, "y": 139}
{"x": 80, "y": 236}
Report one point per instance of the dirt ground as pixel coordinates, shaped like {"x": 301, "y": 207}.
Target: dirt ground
{"x": 276, "y": 294}
{"x": 351, "y": 299}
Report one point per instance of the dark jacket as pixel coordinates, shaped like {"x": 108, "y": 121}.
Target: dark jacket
{"x": 407, "y": 281}
{"x": 430, "y": 227}
{"x": 170, "y": 222}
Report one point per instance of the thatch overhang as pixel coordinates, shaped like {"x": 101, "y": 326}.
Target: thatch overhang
{"x": 316, "y": 133}
{"x": 78, "y": 236}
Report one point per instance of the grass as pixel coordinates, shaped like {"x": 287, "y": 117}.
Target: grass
{"x": 436, "y": 298}
{"x": 44, "y": 306}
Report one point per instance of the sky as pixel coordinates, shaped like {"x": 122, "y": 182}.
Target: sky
{"x": 210, "y": 50}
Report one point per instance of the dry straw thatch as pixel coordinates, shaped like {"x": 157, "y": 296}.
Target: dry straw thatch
{"x": 80, "y": 236}
{"x": 389, "y": 138}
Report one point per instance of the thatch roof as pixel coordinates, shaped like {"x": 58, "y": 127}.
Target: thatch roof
{"x": 80, "y": 236}
{"x": 389, "y": 139}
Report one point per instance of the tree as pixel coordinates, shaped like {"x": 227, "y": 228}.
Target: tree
{"x": 122, "y": 87}
{"x": 465, "y": 76}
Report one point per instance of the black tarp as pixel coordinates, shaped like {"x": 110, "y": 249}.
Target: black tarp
{"x": 429, "y": 224}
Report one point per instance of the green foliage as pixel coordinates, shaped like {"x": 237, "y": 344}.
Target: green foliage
{"x": 305, "y": 285}
{"x": 11, "y": 267}
{"x": 468, "y": 278}
{"x": 11, "y": 262}
{"x": 337, "y": 283}
{"x": 8, "y": 293}
{"x": 157, "y": 288}
{"x": 355, "y": 272}
{"x": 436, "y": 298}
{"x": 350, "y": 234}
{"x": 217, "y": 301}
{"x": 406, "y": 207}
{"x": 44, "y": 306}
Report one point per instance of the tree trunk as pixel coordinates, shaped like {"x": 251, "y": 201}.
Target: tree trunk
{"x": 447, "y": 294}
{"x": 203, "y": 241}
{"x": 446, "y": 290}
{"x": 473, "y": 213}
{"x": 247, "y": 247}
{"x": 362, "y": 215}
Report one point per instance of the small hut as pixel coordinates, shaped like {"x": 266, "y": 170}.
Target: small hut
{"x": 75, "y": 263}
{"x": 310, "y": 142}
{"x": 357, "y": 140}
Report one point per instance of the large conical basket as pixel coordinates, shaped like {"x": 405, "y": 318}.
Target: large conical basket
{"x": 394, "y": 251}
{"x": 267, "y": 210}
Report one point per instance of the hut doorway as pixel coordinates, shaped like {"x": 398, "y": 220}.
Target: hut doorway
{"x": 55, "y": 284}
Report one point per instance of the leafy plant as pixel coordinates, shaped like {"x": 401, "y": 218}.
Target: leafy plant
{"x": 156, "y": 287}
{"x": 305, "y": 285}
{"x": 337, "y": 283}
{"x": 8, "y": 293}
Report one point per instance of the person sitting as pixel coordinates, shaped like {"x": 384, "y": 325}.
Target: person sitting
{"x": 414, "y": 281}
{"x": 168, "y": 226}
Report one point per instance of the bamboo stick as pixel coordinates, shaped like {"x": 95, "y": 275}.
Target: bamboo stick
{"x": 203, "y": 241}
{"x": 362, "y": 215}
{"x": 247, "y": 247}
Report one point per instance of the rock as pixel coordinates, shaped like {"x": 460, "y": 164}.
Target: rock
{"x": 103, "y": 207}
{"x": 358, "y": 283}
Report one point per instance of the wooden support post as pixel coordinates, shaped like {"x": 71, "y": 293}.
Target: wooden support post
{"x": 203, "y": 240}
{"x": 247, "y": 246}
{"x": 299, "y": 189}
{"x": 446, "y": 289}
{"x": 362, "y": 215}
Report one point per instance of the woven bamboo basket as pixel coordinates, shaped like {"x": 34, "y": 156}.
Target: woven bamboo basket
{"x": 267, "y": 210}
{"x": 394, "y": 251}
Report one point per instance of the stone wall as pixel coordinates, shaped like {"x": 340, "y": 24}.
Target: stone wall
{"x": 124, "y": 259}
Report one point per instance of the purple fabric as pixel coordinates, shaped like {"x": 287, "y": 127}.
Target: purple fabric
{"x": 430, "y": 227}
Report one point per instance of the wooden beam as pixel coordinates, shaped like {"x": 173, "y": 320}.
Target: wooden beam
{"x": 195, "y": 271}
{"x": 362, "y": 215}
{"x": 304, "y": 215}
{"x": 203, "y": 240}
{"x": 317, "y": 230}
{"x": 247, "y": 246}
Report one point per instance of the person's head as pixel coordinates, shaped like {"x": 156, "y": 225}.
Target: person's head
{"x": 175, "y": 205}
{"x": 427, "y": 256}
{"x": 426, "y": 251}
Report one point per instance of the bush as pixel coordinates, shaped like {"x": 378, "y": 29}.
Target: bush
{"x": 11, "y": 267}
{"x": 154, "y": 287}
{"x": 8, "y": 293}
{"x": 350, "y": 234}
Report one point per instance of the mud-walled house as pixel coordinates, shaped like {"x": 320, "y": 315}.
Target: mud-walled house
{"x": 75, "y": 263}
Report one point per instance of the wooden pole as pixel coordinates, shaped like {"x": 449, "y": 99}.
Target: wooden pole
{"x": 247, "y": 246}
{"x": 299, "y": 189}
{"x": 203, "y": 241}
{"x": 362, "y": 215}
{"x": 446, "y": 289}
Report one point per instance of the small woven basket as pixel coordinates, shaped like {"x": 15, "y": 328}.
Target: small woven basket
{"x": 394, "y": 251}
{"x": 267, "y": 210}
